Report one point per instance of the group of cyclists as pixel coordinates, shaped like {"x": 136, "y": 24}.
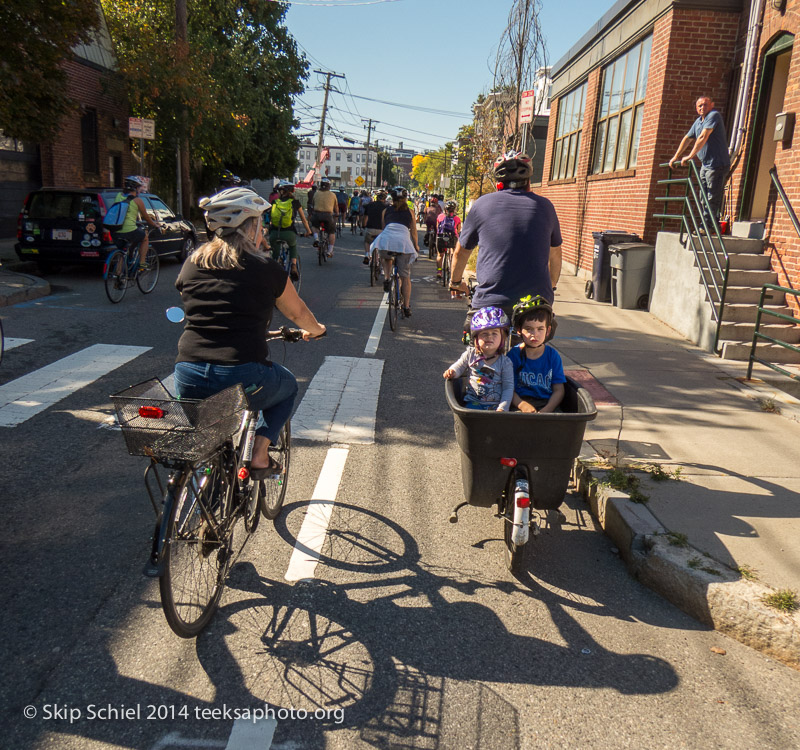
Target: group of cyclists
{"x": 230, "y": 287}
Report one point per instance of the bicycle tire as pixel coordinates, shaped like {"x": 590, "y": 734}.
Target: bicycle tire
{"x": 272, "y": 491}
{"x": 116, "y": 276}
{"x": 195, "y": 560}
{"x": 147, "y": 278}
{"x": 322, "y": 248}
{"x": 251, "y": 509}
{"x": 446, "y": 269}
{"x": 515, "y": 554}
{"x": 373, "y": 268}
{"x": 296, "y": 284}
{"x": 431, "y": 245}
{"x": 394, "y": 300}
{"x": 2, "y": 341}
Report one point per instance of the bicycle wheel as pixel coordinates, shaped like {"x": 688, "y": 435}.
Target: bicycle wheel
{"x": 251, "y": 509}
{"x": 273, "y": 490}
{"x": 431, "y": 245}
{"x": 2, "y": 341}
{"x": 197, "y": 549}
{"x": 446, "y": 268}
{"x": 374, "y": 268}
{"x": 394, "y": 300}
{"x": 514, "y": 555}
{"x": 147, "y": 278}
{"x": 299, "y": 273}
{"x": 116, "y": 276}
{"x": 322, "y": 249}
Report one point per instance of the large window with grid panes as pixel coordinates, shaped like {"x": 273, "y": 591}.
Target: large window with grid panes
{"x": 620, "y": 110}
{"x": 568, "y": 133}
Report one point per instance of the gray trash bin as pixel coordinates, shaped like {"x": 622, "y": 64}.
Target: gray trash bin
{"x": 599, "y": 287}
{"x": 631, "y": 274}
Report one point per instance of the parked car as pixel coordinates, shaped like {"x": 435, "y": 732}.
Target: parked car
{"x": 65, "y": 225}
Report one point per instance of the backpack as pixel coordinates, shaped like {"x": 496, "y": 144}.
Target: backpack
{"x": 281, "y": 214}
{"x": 354, "y": 203}
{"x": 115, "y": 216}
{"x": 448, "y": 224}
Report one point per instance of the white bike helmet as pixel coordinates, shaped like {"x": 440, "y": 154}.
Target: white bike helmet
{"x": 230, "y": 208}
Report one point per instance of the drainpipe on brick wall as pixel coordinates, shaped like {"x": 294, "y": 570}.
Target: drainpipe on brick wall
{"x": 751, "y": 49}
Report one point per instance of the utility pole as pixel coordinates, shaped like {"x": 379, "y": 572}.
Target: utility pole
{"x": 182, "y": 49}
{"x": 377, "y": 166}
{"x": 324, "y": 111}
{"x": 369, "y": 135}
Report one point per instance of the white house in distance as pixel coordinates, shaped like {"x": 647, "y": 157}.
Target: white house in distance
{"x": 343, "y": 165}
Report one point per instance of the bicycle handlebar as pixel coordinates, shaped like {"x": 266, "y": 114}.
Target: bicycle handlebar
{"x": 291, "y": 335}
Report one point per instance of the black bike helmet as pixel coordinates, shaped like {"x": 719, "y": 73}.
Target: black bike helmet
{"x": 513, "y": 169}
{"x": 398, "y": 193}
{"x": 529, "y": 304}
{"x": 227, "y": 178}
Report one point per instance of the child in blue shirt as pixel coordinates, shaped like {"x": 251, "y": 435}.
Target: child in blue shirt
{"x": 538, "y": 372}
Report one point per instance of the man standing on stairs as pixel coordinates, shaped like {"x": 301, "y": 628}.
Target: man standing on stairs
{"x": 711, "y": 146}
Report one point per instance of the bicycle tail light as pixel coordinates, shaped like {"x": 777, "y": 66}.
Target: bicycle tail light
{"x": 510, "y": 462}
{"x": 151, "y": 412}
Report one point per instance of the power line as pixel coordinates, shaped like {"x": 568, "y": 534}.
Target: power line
{"x": 414, "y": 107}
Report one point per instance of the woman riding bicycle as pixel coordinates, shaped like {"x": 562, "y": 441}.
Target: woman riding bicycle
{"x": 281, "y": 223}
{"x": 229, "y": 289}
{"x": 131, "y": 231}
{"x": 399, "y": 235}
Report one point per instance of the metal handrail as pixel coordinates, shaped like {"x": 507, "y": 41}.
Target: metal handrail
{"x": 773, "y": 173}
{"x": 693, "y": 219}
{"x": 758, "y": 335}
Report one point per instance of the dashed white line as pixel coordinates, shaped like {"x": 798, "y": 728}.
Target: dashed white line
{"x": 14, "y": 343}
{"x": 251, "y": 735}
{"x": 308, "y": 548}
{"x": 377, "y": 327}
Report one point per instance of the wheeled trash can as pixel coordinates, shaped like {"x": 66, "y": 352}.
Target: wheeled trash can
{"x": 599, "y": 287}
{"x": 631, "y": 274}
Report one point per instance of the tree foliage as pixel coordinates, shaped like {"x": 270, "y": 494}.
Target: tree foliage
{"x": 38, "y": 36}
{"x": 237, "y": 82}
{"x": 386, "y": 169}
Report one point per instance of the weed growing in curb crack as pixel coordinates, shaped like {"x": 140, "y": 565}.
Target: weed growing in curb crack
{"x": 659, "y": 474}
{"x": 697, "y": 564}
{"x": 784, "y": 600}
{"x": 676, "y": 539}
{"x": 769, "y": 405}
{"x": 624, "y": 481}
{"x": 745, "y": 571}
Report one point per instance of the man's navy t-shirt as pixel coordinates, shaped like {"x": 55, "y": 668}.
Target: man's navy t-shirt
{"x": 515, "y": 230}
{"x": 715, "y": 152}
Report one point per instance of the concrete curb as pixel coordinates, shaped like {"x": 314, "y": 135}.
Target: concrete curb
{"x": 716, "y": 596}
{"x": 25, "y": 288}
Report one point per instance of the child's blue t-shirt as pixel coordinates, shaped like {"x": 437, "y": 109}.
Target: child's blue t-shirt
{"x": 534, "y": 378}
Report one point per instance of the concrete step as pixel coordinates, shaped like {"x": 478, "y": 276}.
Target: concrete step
{"x": 744, "y": 331}
{"x": 750, "y": 295}
{"x": 740, "y": 351}
{"x": 732, "y": 244}
{"x": 746, "y": 313}
{"x": 742, "y": 277}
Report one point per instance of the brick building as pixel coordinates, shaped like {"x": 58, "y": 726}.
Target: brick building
{"x": 91, "y": 147}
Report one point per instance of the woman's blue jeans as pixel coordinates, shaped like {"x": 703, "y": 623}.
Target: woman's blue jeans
{"x": 271, "y": 389}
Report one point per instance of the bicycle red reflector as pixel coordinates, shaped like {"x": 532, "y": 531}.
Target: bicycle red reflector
{"x": 243, "y": 473}
{"x": 523, "y": 501}
{"x": 510, "y": 462}
{"x": 151, "y": 412}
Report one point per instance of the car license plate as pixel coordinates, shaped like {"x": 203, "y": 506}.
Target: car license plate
{"x": 31, "y": 250}
{"x": 90, "y": 254}
{"x": 62, "y": 234}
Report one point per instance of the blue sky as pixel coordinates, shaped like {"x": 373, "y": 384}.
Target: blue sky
{"x": 429, "y": 53}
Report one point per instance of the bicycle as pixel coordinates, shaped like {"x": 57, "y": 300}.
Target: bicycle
{"x": 2, "y": 341}
{"x": 121, "y": 270}
{"x": 207, "y": 447}
{"x": 374, "y": 268}
{"x": 446, "y": 244}
{"x": 285, "y": 260}
{"x": 395, "y": 299}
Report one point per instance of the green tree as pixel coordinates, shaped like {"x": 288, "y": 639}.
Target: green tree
{"x": 39, "y": 36}
{"x": 386, "y": 169}
{"x": 237, "y": 83}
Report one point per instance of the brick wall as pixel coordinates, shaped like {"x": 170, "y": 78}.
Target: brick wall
{"x": 692, "y": 54}
{"x": 61, "y": 160}
{"x": 782, "y": 241}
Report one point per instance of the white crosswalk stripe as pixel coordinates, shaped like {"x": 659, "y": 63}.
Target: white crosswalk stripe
{"x": 11, "y": 343}
{"x": 31, "y": 394}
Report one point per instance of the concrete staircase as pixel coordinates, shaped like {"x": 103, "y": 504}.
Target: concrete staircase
{"x": 750, "y": 269}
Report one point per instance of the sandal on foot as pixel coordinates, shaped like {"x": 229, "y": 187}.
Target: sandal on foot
{"x": 268, "y": 471}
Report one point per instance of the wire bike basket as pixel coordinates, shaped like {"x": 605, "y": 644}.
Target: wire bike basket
{"x": 156, "y": 425}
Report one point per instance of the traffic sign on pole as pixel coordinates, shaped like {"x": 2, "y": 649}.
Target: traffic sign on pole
{"x": 527, "y": 99}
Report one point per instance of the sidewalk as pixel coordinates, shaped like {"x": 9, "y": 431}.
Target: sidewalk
{"x": 737, "y": 500}
{"x": 18, "y": 285}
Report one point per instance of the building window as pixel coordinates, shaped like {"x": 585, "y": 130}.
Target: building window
{"x": 338, "y": 156}
{"x": 349, "y": 157}
{"x": 358, "y": 158}
{"x": 568, "y": 133}
{"x": 619, "y": 121}
{"x": 89, "y": 141}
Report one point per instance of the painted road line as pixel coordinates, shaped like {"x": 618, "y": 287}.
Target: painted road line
{"x": 377, "y": 327}
{"x": 14, "y": 343}
{"x": 25, "y": 397}
{"x": 341, "y": 402}
{"x": 308, "y": 548}
{"x": 249, "y": 734}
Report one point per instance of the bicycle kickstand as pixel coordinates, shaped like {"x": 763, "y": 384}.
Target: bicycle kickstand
{"x": 454, "y": 514}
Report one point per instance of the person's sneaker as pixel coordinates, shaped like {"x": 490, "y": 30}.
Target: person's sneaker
{"x": 293, "y": 275}
{"x": 438, "y": 273}
{"x": 316, "y": 243}
{"x": 365, "y": 261}
{"x": 361, "y": 233}
{"x": 329, "y": 254}
{"x": 387, "y": 285}
{"x": 407, "y": 312}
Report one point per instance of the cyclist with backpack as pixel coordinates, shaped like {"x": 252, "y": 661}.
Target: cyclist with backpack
{"x": 448, "y": 229}
{"x": 281, "y": 223}
{"x": 131, "y": 218}
{"x": 326, "y": 208}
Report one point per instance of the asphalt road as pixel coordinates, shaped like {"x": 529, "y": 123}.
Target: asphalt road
{"x": 411, "y": 633}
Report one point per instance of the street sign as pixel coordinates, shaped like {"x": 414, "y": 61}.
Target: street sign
{"x": 359, "y": 180}
{"x": 141, "y": 128}
{"x": 526, "y": 103}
